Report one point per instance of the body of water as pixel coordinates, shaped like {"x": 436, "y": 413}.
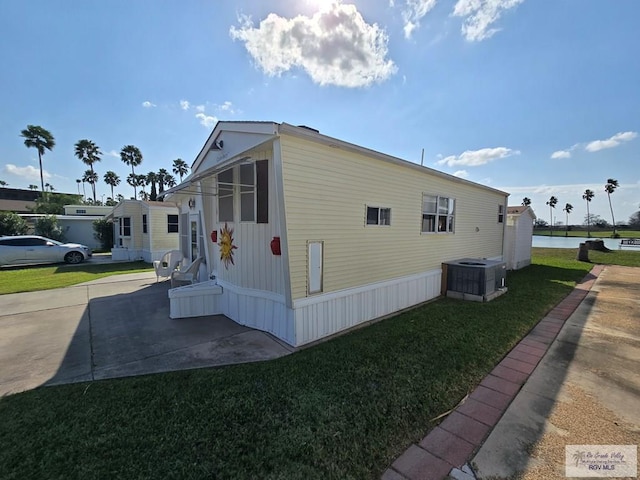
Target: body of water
{"x": 570, "y": 242}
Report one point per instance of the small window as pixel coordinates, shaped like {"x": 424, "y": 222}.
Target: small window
{"x": 500, "y": 213}
{"x": 144, "y": 223}
{"x": 438, "y": 214}
{"x": 247, "y": 193}
{"x": 172, "y": 223}
{"x": 378, "y": 216}
{"x": 81, "y": 210}
{"x": 225, "y": 196}
{"x": 125, "y": 227}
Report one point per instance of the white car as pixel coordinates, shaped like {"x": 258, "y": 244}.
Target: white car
{"x": 18, "y": 250}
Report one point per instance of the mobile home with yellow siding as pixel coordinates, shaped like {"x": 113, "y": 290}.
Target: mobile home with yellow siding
{"x": 144, "y": 230}
{"x": 305, "y": 235}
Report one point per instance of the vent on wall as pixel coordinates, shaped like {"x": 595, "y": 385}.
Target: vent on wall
{"x": 474, "y": 279}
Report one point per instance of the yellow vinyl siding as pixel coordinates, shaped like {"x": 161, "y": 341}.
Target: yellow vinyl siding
{"x": 326, "y": 191}
{"x": 157, "y": 227}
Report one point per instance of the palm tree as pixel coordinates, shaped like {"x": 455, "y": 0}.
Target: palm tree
{"x": 526, "y": 201}
{"x": 143, "y": 196}
{"x": 49, "y": 187}
{"x": 78, "y": 181}
{"x": 567, "y": 209}
{"x": 111, "y": 179}
{"x": 552, "y": 204}
{"x": 162, "y": 176}
{"x": 89, "y": 153}
{"x": 132, "y": 156}
{"x": 5, "y": 184}
{"x": 152, "y": 178}
{"x": 610, "y": 187}
{"x": 180, "y": 167}
{"x": 35, "y": 187}
{"x": 91, "y": 178}
{"x": 588, "y": 195}
{"x": 170, "y": 181}
{"x": 41, "y": 139}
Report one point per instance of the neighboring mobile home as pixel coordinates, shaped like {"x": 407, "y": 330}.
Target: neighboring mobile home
{"x": 305, "y": 235}
{"x": 519, "y": 237}
{"x": 144, "y": 230}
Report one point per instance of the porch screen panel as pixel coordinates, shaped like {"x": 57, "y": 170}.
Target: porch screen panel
{"x": 262, "y": 191}
{"x": 185, "y": 244}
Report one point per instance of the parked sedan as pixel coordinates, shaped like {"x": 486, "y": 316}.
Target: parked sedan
{"x": 24, "y": 249}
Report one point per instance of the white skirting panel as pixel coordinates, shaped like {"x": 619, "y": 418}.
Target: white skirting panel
{"x": 195, "y": 300}
{"x": 258, "y": 309}
{"x": 323, "y": 315}
{"x": 312, "y": 318}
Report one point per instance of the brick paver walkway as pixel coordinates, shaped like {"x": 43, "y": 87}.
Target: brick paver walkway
{"x": 452, "y": 443}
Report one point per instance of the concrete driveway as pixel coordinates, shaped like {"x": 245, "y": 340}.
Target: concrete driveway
{"x": 114, "y": 327}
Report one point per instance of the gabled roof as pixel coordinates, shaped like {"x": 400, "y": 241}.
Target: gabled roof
{"x": 520, "y": 209}
{"x": 272, "y": 130}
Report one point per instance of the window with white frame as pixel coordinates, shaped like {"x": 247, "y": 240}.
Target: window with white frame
{"x": 500, "y": 213}
{"x": 438, "y": 214}
{"x": 225, "y": 196}
{"x": 172, "y": 224}
{"x": 125, "y": 227}
{"x": 247, "y": 193}
{"x": 378, "y": 216}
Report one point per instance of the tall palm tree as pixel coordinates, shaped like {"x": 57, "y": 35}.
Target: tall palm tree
{"x": 143, "y": 196}
{"x": 91, "y": 178}
{"x": 89, "y": 153}
{"x": 152, "y": 179}
{"x": 162, "y": 179}
{"x": 553, "y": 201}
{"x": 588, "y": 195}
{"x": 610, "y": 187}
{"x": 49, "y": 187}
{"x": 5, "y": 184}
{"x": 132, "y": 156}
{"x": 78, "y": 182}
{"x": 526, "y": 201}
{"x": 41, "y": 139}
{"x": 33, "y": 187}
{"x": 567, "y": 209}
{"x": 180, "y": 167}
{"x": 111, "y": 179}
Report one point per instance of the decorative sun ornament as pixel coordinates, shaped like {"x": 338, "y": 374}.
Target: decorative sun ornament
{"x": 226, "y": 246}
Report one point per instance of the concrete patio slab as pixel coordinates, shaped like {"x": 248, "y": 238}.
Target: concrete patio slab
{"x": 114, "y": 327}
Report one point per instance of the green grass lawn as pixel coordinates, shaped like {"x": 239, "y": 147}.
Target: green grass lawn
{"x": 34, "y": 278}
{"x": 558, "y": 232}
{"x": 344, "y": 409}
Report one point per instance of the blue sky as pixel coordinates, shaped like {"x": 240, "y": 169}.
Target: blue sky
{"x": 537, "y": 98}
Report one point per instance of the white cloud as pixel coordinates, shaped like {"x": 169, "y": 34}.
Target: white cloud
{"x": 480, "y": 15}
{"x": 474, "y": 158}
{"x": 113, "y": 153}
{"x": 184, "y": 104}
{"x": 206, "y": 120}
{"x": 148, "y": 104}
{"x": 612, "y": 142}
{"x": 561, "y": 154}
{"x": 413, "y": 13}
{"x": 29, "y": 172}
{"x": 335, "y": 46}
{"x": 461, "y": 174}
{"x": 200, "y": 108}
{"x": 226, "y": 107}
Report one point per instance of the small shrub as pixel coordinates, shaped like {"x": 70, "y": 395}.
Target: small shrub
{"x": 103, "y": 233}
{"x": 12, "y": 224}
{"x": 47, "y": 226}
